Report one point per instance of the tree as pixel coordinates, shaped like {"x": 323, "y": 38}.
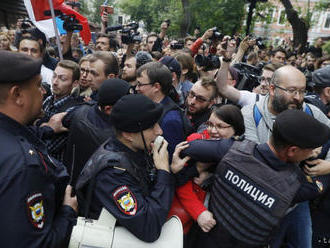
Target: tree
{"x": 185, "y": 15}
{"x": 300, "y": 25}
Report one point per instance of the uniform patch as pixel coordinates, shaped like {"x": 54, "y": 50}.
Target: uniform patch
{"x": 36, "y": 211}
{"x": 125, "y": 200}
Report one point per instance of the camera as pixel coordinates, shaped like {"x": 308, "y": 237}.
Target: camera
{"x": 249, "y": 76}
{"x": 70, "y": 23}
{"x": 260, "y": 44}
{"x": 26, "y": 24}
{"x": 130, "y": 35}
{"x": 177, "y": 46}
{"x": 210, "y": 62}
{"x": 216, "y": 34}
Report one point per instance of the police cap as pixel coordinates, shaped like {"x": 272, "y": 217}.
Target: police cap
{"x": 135, "y": 113}
{"x": 321, "y": 77}
{"x": 17, "y": 67}
{"x": 111, "y": 91}
{"x": 300, "y": 129}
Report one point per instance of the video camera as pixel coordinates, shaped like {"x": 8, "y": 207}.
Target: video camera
{"x": 249, "y": 76}
{"x": 129, "y": 32}
{"x": 26, "y": 24}
{"x": 70, "y": 21}
{"x": 210, "y": 62}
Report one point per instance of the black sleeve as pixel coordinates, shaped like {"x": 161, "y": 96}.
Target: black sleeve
{"x": 158, "y": 45}
{"x": 309, "y": 191}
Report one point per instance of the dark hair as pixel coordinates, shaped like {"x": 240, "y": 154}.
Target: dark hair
{"x": 232, "y": 115}
{"x": 112, "y": 41}
{"x": 110, "y": 61}
{"x": 279, "y": 49}
{"x": 157, "y": 72}
{"x": 41, "y": 48}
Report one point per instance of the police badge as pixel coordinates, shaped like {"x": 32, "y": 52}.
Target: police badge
{"x": 125, "y": 200}
{"x": 36, "y": 210}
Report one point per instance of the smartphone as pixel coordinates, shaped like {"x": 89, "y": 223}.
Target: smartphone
{"x": 106, "y": 8}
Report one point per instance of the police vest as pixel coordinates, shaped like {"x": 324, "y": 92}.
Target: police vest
{"x": 84, "y": 138}
{"x": 248, "y": 197}
{"x": 104, "y": 158}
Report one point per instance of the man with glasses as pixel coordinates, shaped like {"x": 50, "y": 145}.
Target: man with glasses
{"x": 155, "y": 82}
{"x": 199, "y": 102}
{"x": 286, "y": 91}
{"x": 244, "y": 97}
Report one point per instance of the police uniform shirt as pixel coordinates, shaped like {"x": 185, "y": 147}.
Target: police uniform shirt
{"x": 32, "y": 186}
{"x": 142, "y": 213}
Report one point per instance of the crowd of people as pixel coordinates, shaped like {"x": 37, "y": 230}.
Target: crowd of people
{"x": 245, "y": 157}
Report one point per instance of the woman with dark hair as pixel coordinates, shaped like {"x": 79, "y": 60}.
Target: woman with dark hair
{"x": 225, "y": 122}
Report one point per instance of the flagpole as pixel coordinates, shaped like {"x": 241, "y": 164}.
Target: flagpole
{"x": 58, "y": 42}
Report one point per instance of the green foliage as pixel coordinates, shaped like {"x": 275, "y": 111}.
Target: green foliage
{"x": 225, "y": 14}
{"x": 326, "y": 47}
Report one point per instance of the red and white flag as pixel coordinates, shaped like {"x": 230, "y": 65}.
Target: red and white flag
{"x": 36, "y": 11}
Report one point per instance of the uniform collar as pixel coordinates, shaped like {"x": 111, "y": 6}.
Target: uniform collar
{"x": 264, "y": 152}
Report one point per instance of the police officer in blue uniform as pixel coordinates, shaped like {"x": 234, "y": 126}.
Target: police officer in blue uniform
{"x": 37, "y": 209}
{"x": 294, "y": 136}
{"x": 135, "y": 188}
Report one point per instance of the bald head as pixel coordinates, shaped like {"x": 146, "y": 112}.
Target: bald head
{"x": 289, "y": 77}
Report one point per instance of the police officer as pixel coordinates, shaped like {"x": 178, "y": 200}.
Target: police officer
{"x": 134, "y": 188}
{"x": 89, "y": 125}
{"x": 37, "y": 209}
{"x": 321, "y": 87}
{"x": 243, "y": 197}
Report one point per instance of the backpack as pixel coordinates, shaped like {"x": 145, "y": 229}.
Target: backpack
{"x": 171, "y": 105}
{"x": 257, "y": 114}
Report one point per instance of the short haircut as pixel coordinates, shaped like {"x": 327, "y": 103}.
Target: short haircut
{"x": 32, "y": 39}
{"x": 157, "y": 72}
{"x": 279, "y": 49}
{"x": 111, "y": 65}
{"x": 152, "y": 34}
{"x": 112, "y": 41}
{"x": 73, "y": 66}
{"x": 272, "y": 66}
{"x": 232, "y": 115}
{"x": 208, "y": 82}
{"x": 189, "y": 38}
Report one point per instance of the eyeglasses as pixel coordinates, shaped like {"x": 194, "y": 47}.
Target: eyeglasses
{"x": 139, "y": 84}
{"x": 217, "y": 126}
{"x": 199, "y": 98}
{"x": 291, "y": 91}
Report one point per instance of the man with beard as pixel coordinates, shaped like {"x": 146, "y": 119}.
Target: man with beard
{"x": 286, "y": 91}
{"x": 129, "y": 71}
{"x": 199, "y": 101}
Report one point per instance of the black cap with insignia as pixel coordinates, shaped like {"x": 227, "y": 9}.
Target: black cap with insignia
{"x": 300, "y": 129}
{"x": 321, "y": 77}
{"x": 17, "y": 67}
{"x": 135, "y": 113}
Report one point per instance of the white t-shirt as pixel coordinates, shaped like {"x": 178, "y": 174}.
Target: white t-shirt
{"x": 246, "y": 98}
